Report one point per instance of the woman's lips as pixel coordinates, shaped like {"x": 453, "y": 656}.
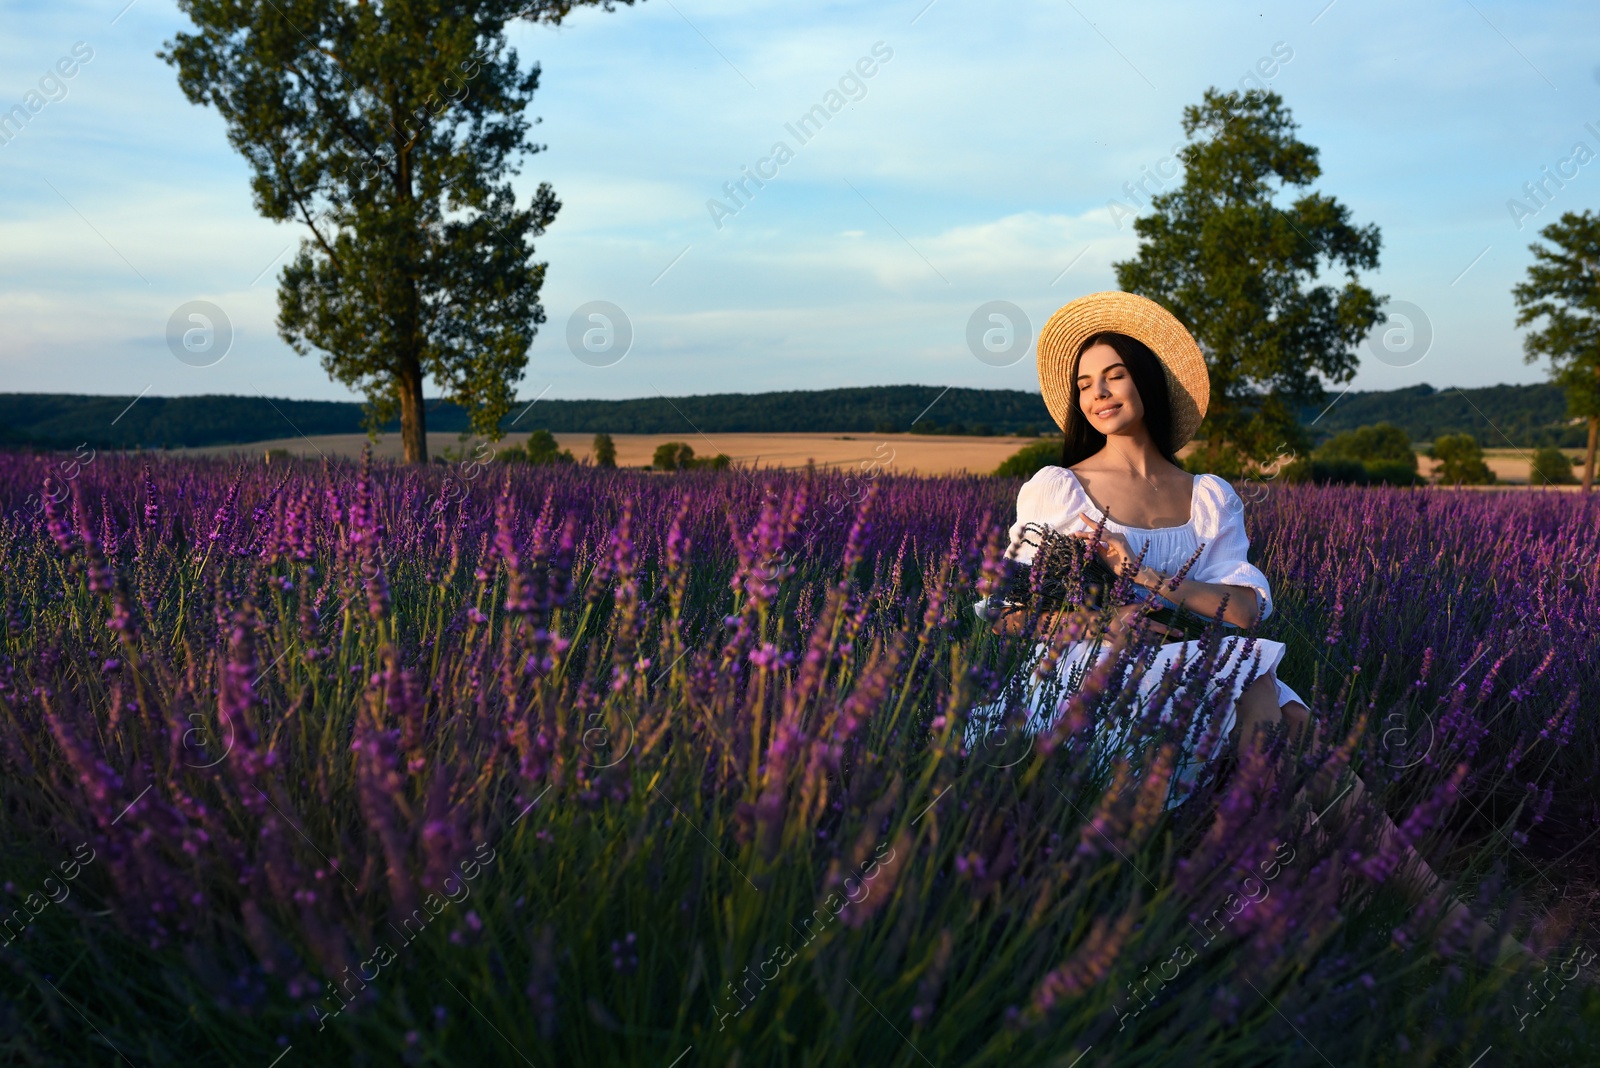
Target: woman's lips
{"x": 1102, "y": 413}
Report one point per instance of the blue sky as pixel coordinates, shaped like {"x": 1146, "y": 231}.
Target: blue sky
{"x": 976, "y": 164}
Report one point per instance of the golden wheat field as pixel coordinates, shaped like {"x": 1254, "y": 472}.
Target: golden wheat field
{"x": 907, "y": 453}
{"x": 927, "y": 454}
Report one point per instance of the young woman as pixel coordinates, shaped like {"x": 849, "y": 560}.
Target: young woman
{"x": 1128, "y": 386}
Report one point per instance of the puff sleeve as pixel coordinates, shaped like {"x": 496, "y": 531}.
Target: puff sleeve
{"x": 1226, "y": 556}
{"x": 1050, "y": 498}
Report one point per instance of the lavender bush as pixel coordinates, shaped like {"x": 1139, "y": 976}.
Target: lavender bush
{"x": 323, "y": 765}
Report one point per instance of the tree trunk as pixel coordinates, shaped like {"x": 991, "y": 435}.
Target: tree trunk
{"x": 414, "y": 420}
{"x": 1588, "y": 462}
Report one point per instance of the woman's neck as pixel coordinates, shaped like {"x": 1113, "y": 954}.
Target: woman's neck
{"x": 1134, "y": 453}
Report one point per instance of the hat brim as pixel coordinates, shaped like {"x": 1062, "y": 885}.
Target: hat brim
{"x": 1188, "y": 379}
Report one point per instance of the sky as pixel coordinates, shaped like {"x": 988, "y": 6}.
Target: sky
{"x": 985, "y": 159}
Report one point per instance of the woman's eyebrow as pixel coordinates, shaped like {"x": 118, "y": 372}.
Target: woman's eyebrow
{"x": 1103, "y": 370}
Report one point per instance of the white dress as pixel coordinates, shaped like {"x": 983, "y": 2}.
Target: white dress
{"x": 1053, "y": 498}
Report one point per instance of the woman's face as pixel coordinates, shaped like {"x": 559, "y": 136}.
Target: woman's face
{"x": 1106, "y": 394}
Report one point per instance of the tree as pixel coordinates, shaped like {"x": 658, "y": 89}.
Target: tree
{"x": 542, "y": 448}
{"x": 1563, "y": 288}
{"x": 389, "y": 131}
{"x": 672, "y": 456}
{"x": 605, "y": 451}
{"x": 1385, "y": 441}
{"x": 1460, "y": 461}
{"x": 1551, "y": 466}
{"x": 1240, "y": 271}
{"x": 1383, "y": 451}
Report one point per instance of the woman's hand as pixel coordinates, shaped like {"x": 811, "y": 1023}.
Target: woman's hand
{"x": 1120, "y": 628}
{"x": 1042, "y": 627}
{"x": 1116, "y": 632}
{"x": 1112, "y": 548}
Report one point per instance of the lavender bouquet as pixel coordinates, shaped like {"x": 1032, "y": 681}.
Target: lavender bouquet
{"x": 1065, "y": 574}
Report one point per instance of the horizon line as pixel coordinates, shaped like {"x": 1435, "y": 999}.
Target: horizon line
{"x": 662, "y": 396}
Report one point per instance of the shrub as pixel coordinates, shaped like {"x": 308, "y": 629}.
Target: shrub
{"x": 1384, "y": 442}
{"x": 1393, "y": 472}
{"x": 672, "y": 456}
{"x": 1338, "y": 472}
{"x": 540, "y": 448}
{"x": 1460, "y": 461}
{"x": 1384, "y": 450}
{"x": 605, "y": 451}
{"x": 1217, "y": 458}
{"x": 679, "y": 456}
{"x": 1551, "y": 465}
{"x": 1026, "y": 461}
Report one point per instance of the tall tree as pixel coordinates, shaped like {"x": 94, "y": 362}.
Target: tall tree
{"x": 390, "y": 131}
{"x": 1240, "y": 271}
{"x": 1563, "y": 288}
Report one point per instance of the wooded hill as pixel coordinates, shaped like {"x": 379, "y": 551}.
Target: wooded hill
{"x": 1523, "y": 416}
{"x": 1497, "y": 416}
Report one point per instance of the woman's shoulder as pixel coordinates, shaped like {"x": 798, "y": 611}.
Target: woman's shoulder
{"x": 1051, "y": 486}
{"x": 1216, "y": 502}
{"x": 1051, "y": 475}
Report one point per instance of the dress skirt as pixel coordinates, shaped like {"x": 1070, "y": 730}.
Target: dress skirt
{"x": 1046, "y": 700}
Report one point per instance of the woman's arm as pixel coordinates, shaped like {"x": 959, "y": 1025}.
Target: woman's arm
{"x": 1201, "y": 598}
{"x": 1117, "y": 632}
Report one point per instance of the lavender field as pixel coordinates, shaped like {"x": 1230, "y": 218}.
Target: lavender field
{"x": 309, "y": 764}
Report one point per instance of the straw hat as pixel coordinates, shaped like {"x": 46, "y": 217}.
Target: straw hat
{"x": 1188, "y": 381}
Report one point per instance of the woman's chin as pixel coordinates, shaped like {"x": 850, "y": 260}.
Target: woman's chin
{"x": 1109, "y": 427}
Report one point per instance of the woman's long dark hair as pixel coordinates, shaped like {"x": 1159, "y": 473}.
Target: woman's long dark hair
{"x": 1082, "y": 440}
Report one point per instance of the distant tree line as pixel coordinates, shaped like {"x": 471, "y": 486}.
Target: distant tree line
{"x": 64, "y": 420}
{"x": 1380, "y": 455}
{"x": 1530, "y": 416}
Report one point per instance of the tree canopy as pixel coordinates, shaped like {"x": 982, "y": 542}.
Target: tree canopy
{"x": 1550, "y": 466}
{"x": 1563, "y": 289}
{"x": 1241, "y": 271}
{"x": 390, "y": 131}
{"x": 1460, "y": 461}
{"x": 1370, "y": 444}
